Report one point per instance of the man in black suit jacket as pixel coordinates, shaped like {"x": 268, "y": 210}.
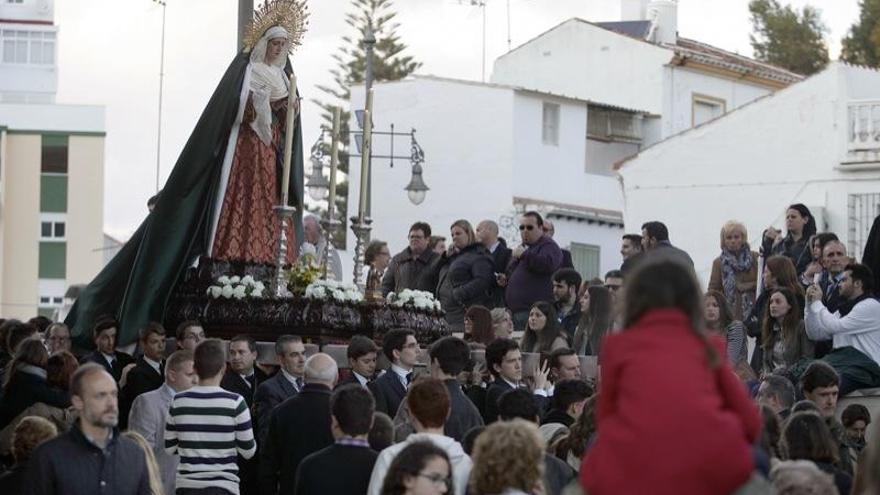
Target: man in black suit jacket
{"x": 504, "y": 361}
{"x": 449, "y": 357}
{"x": 402, "y": 350}
{"x": 243, "y": 377}
{"x": 346, "y": 466}
{"x": 361, "y": 355}
{"x": 105, "y": 354}
{"x": 487, "y": 234}
{"x": 286, "y": 383}
{"x": 298, "y": 427}
{"x": 148, "y": 372}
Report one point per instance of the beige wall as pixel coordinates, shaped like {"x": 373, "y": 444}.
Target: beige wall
{"x": 21, "y": 226}
{"x": 85, "y": 208}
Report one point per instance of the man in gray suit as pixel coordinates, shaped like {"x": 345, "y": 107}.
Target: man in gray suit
{"x": 149, "y": 410}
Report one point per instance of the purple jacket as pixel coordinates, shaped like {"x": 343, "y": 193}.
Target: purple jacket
{"x": 530, "y": 278}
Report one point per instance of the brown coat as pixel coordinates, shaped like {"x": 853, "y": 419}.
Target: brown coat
{"x": 746, "y": 283}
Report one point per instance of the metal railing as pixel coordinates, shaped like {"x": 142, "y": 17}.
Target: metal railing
{"x": 863, "y": 126}
{"x": 862, "y": 209}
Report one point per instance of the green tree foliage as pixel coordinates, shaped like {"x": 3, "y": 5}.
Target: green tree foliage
{"x": 784, "y": 37}
{"x": 389, "y": 64}
{"x": 862, "y": 44}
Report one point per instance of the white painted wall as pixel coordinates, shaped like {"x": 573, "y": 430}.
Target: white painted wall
{"x": 681, "y": 85}
{"x": 49, "y": 117}
{"x": 466, "y": 132}
{"x": 601, "y": 156}
{"x": 556, "y": 173}
{"x": 751, "y": 164}
{"x": 581, "y": 60}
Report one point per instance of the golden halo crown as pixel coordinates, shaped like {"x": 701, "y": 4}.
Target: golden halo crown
{"x": 292, "y": 15}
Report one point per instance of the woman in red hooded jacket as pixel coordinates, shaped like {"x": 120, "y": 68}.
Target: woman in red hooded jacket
{"x": 672, "y": 416}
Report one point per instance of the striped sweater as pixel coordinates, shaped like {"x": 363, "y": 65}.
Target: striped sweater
{"x": 207, "y": 427}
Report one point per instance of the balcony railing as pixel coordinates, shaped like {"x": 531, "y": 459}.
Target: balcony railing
{"x": 863, "y": 126}
{"x": 862, "y": 135}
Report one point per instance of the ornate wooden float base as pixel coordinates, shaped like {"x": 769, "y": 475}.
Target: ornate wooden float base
{"x": 265, "y": 319}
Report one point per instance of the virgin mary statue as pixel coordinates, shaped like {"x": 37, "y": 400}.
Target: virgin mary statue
{"x": 219, "y": 198}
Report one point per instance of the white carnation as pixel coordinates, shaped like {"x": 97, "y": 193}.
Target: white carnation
{"x": 248, "y": 280}
{"x": 234, "y": 280}
{"x": 224, "y": 280}
{"x": 257, "y": 293}
{"x": 227, "y": 291}
{"x": 239, "y": 292}
{"x": 215, "y": 291}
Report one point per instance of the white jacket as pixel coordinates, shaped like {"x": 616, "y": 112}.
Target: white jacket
{"x": 860, "y": 328}
{"x": 461, "y": 462}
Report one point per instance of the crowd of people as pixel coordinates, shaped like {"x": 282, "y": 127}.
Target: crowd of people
{"x": 677, "y": 406}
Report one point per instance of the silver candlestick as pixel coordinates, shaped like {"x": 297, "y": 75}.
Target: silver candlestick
{"x": 329, "y": 225}
{"x": 361, "y": 227}
{"x": 285, "y": 218}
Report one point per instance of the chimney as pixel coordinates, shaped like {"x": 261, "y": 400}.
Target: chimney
{"x": 633, "y": 10}
{"x": 663, "y": 15}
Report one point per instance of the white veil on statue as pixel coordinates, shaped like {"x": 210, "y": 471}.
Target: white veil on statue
{"x": 268, "y": 82}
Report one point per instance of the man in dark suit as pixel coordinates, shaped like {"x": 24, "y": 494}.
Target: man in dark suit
{"x": 361, "y": 355}
{"x": 299, "y": 426}
{"x": 504, "y": 361}
{"x": 402, "y": 350}
{"x": 243, "y": 377}
{"x": 149, "y": 370}
{"x": 105, "y": 354}
{"x": 286, "y": 383}
{"x": 350, "y": 459}
{"x": 449, "y": 357}
{"x": 487, "y": 234}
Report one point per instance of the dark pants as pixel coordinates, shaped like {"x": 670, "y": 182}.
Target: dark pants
{"x": 201, "y": 491}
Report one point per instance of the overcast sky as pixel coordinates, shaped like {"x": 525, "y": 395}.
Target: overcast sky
{"x": 110, "y": 49}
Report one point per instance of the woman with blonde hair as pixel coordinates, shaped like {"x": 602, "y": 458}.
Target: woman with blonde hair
{"x": 502, "y": 323}
{"x": 465, "y": 275}
{"x": 152, "y": 466}
{"x": 735, "y": 270}
{"x": 508, "y": 459}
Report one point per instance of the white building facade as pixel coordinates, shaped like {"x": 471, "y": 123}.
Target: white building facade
{"x": 683, "y": 81}
{"x": 545, "y": 134}
{"x": 51, "y": 170}
{"x": 816, "y": 143}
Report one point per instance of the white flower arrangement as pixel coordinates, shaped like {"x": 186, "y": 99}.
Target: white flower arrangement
{"x": 236, "y": 287}
{"x": 331, "y": 289}
{"x": 419, "y": 299}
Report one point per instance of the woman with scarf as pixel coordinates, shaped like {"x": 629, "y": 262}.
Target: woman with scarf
{"x": 735, "y": 271}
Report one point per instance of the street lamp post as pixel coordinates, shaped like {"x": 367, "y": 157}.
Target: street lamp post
{"x": 161, "y": 84}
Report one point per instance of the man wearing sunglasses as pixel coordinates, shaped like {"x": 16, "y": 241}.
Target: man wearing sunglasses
{"x": 530, "y": 273}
